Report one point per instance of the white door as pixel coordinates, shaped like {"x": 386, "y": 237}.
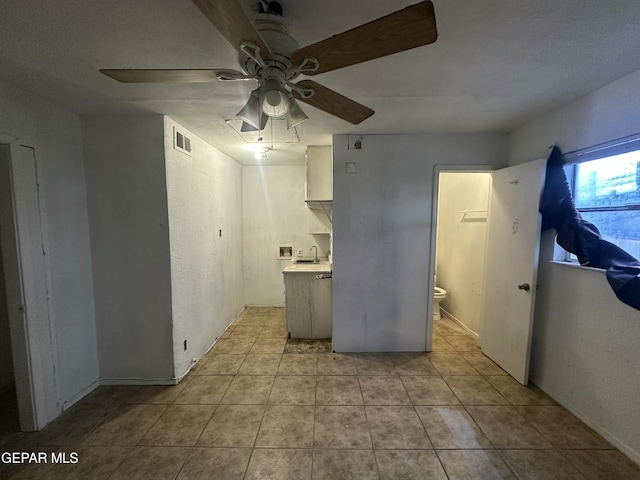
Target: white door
{"x": 27, "y": 285}
{"x": 513, "y": 240}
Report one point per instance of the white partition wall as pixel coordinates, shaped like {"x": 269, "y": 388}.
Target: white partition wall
{"x": 382, "y": 233}
{"x": 127, "y": 195}
{"x": 204, "y": 197}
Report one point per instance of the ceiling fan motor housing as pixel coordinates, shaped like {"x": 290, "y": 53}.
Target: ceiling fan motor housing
{"x": 275, "y": 35}
{"x": 273, "y": 74}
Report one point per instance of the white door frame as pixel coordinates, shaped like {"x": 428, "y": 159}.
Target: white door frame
{"x": 34, "y": 358}
{"x": 437, "y": 169}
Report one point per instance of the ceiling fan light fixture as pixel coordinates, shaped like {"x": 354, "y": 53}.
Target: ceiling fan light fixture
{"x": 247, "y": 127}
{"x": 295, "y": 116}
{"x": 250, "y": 113}
{"x": 274, "y": 99}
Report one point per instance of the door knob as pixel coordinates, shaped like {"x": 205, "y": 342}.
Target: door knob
{"x": 525, "y": 287}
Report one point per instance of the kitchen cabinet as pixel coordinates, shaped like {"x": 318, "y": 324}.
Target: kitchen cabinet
{"x": 319, "y": 189}
{"x": 319, "y": 174}
{"x": 308, "y": 301}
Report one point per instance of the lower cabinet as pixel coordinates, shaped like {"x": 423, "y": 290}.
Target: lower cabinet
{"x": 307, "y": 305}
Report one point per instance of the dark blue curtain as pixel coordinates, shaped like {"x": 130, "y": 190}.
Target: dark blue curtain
{"x": 582, "y": 238}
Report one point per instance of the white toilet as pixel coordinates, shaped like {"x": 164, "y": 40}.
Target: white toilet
{"x": 439, "y": 294}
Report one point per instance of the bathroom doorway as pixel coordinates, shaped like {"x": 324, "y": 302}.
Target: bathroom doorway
{"x": 505, "y": 268}
{"x": 509, "y": 263}
{"x": 460, "y": 246}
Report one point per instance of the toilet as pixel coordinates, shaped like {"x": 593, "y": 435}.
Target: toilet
{"x": 439, "y": 294}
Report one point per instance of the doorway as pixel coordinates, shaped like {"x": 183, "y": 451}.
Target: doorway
{"x": 442, "y": 277}
{"x": 510, "y": 267}
{"x": 460, "y": 247}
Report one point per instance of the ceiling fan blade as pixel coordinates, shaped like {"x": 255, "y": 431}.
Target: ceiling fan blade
{"x": 230, "y": 20}
{"x": 405, "y": 29}
{"x": 172, "y": 76}
{"x": 332, "y": 102}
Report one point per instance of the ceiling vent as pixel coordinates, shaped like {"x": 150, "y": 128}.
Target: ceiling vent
{"x": 181, "y": 142}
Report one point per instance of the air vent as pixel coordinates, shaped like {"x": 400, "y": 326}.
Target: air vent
{"x": 181, "y": 142}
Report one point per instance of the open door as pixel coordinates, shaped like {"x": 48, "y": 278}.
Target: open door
{"x": 27, "y": 286}
{"x": 513, "y": 239}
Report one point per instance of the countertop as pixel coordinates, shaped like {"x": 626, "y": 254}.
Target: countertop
{"x": 323, "y": 267}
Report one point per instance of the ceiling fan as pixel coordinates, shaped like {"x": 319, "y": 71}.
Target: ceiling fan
{"x": 268, "y": 54}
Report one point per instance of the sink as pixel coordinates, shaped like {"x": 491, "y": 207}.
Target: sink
{"x": 305, "y": 260}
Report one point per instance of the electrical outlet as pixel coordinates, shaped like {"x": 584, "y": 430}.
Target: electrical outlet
{"x": 299, "y": 252}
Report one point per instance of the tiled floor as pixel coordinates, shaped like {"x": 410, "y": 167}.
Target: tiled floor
{"x": 248, "y": 411}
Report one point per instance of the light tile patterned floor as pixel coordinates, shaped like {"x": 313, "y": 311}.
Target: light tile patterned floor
{"x": 250, "y": 411}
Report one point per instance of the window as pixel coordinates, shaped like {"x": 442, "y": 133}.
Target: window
{"x": 607, "y": 194}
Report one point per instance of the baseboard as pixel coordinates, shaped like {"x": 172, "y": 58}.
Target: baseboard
{"x": 194, "y": 363}
{"x": 633, "y": 455}
{"x": 106, "y": 381}
{"x": 462, "y": 325}
{"x": 138, "y": 381}
{"x": 83, "y": 392}
{"x": 279, "y": 305}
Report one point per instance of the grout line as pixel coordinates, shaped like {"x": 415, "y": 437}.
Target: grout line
{"x": 117, "y": 406}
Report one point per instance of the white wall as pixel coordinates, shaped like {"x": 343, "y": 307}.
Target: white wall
{"x": 382, "y": 233}
{"x": 585, "y": 342}
{"x": 461, "y": 244}
{"x": 57, "y": 138}
{"x": 127, "y": 197}
{"x": 204, "y": 194}
{"x": 274, "y": 214}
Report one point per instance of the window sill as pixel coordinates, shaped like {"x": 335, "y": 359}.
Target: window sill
{"x": 577, "y": 265}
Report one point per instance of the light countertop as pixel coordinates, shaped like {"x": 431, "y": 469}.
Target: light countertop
{"x": 323, "y": 267}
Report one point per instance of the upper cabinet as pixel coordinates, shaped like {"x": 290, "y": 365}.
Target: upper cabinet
{"x": 319, "y": 174}
{"x": 319, "y": 191}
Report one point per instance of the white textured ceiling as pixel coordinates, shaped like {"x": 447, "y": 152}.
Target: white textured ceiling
{"x": 496, "y": 63}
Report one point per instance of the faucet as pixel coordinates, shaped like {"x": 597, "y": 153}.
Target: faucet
{"x": 316, "y": 260}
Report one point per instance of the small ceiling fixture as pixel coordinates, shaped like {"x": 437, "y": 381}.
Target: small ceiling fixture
{"x": 259, "y": 149}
